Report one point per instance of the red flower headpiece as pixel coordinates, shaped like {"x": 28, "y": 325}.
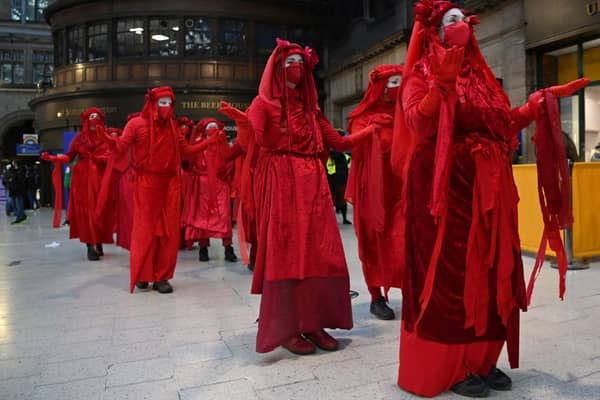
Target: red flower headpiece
{"x": 430, "y": 12}
{"x": 310, "y": 57}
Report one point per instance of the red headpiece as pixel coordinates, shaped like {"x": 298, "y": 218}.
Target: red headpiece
{"x": 273, "y": 87}
{"x": 378, "y": 79}
{"x": 85, "y": 118}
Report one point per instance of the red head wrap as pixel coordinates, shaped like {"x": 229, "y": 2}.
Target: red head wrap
{"x": 85, "y": 119}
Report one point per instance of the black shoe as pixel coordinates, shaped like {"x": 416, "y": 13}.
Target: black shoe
{"x": 92, "y": 255}
{"x": 472, "y": 386}
{"x": 141, "y": 285}
{"x": 203, "y": 254}
{"x": 19, "y": 220}
{"x": 229, "y": 254}
{"x": 162, "y": 287}
{"x": 347, "y": 222}
{"x": 380, "y": 309}
{"x": 498, "y": 380}
{"x": 250, "y": 267}
{"x": 99, "y": 249}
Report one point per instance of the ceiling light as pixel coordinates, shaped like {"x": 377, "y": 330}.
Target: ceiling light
{"x": 137, "y": 30}
{"x": 160, "y": 38}
{"x": 175, "y": 28}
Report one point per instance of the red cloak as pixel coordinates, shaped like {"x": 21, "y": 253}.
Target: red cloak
{"x": 373, "y": 188}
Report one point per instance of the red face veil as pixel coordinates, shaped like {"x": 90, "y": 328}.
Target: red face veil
{"x": 91, "y": 124}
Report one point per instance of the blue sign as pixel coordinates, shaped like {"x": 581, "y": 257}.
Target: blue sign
{"x": 30, "y": 149}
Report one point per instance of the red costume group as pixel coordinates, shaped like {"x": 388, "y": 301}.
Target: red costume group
{"x": 435, "y": 204}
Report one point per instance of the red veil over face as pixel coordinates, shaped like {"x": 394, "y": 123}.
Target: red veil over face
{"x": 85, "y": 120}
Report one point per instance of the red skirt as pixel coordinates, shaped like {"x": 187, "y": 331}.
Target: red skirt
{"x": 428, "y": 368}
{"x": 292, "y": 307}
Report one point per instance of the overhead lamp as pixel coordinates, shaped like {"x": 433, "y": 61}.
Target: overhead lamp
{"x": 160, "y": 38}
{"x": 175, "y": 28}
{"x": 139, "y": 30}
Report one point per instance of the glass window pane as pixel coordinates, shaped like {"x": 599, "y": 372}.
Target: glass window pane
{"x": 198, "y": 36}
{"x": 265, "y": 38}
{"x": 6, "y": 73}
{"x": 19, "y": 73}
{"x": 30, "y": 10}
{"x": 97, "y": 42}
{"x": 59, "y": 47}
{"x": 130, "y": 37}
{"x": 233, "y": 38}
{"x": 163, "y": 36}
{"x": 560, "y": 66}
{"x": 591, "y": 59}
{"x": 75, "y": 44}
{"x": 41, "y": 6}
{"x": 592, "y": 119}
{"x": 15, "y": 10}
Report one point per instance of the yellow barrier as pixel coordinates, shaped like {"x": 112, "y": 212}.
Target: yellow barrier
{"x": 586, "y": 209}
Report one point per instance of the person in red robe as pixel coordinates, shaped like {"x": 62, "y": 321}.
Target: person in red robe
{"x": 92, "y": 154}
{"x": 186, "y": 126}
{"x": 158, "y": 147}
{"x": 374, "y": 190}
{"x": 207, "y": 207}
{"x": 463, "y": 284}
{"x": 300, "y": 265}
{"x": 244, "y": 155}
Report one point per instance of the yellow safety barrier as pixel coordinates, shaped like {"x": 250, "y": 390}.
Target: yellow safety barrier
{"x": 586, "y": 209}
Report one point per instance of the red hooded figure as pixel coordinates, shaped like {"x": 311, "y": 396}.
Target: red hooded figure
{"x": 92, "y": 153}
{"x": 463, "y": 283}
{"x": 374, "y": 190}
{"x": 158, "y": 147}
{"x": 186, "y": 126}
{"x": 207, "y": 206}
{"x": 300, "y": 265}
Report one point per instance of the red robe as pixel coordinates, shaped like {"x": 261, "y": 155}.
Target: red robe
{"x": 207, "y": 205}
{"x": 124, "y": 202}
{"x": 86, "y": 179}
{"x": 157, "y": 199}
{"x": 481, "y": 165}
{"x": 375, "y": 192}
{"x": 300, "y": 267}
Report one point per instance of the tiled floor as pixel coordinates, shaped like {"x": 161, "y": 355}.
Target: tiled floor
{"x": 69, "y": 329}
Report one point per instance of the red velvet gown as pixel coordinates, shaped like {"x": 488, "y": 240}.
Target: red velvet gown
{"x": 375, "y": 194}
{"x": 157, "y": 198}
{"x": 125, "y": 191}
{"x": 300, "y": 266}
{"x": 478, "y": 282}
{"x": 86, "y": 180}
{"x": 207, "y": 210}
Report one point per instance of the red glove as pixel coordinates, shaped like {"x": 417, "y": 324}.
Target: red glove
{"x": 446, "y": 66}
{"x": 382, "y": 120}
{"x": 231, "y": 112}
{"x": 48, "y": 157}
{"x": 570, "y": 88}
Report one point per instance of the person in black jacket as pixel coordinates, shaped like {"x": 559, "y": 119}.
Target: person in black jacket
{"x": 15, "y": 181}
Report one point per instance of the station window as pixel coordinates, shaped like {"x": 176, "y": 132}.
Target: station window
{"x": 198, "y": 36}
{"x": 75, "y": 44}
{"x": 163, "y": 36}
{"x": 233, "y": 38}
{"x": 130, "y": 37}
{"x": 97, "y": 42}
{"x": 42, "y": 66}
{"x": 12, "y": 69}
{"x": 265, "y": 38}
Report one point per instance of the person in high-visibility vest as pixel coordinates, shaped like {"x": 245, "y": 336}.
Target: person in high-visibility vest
{"x": 337, "y": 176}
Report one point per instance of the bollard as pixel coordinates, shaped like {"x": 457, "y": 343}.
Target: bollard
{"x": 571, "y": 265}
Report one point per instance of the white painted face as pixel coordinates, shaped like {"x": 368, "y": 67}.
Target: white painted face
{"x": 394, "y": 81}
{"x": 165, "y": 102}
{"x": 293, "y": 59}
{"x": 211, "y": 125}
{"x": 451, "y": 16}
{"x": 93, "y": 116}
